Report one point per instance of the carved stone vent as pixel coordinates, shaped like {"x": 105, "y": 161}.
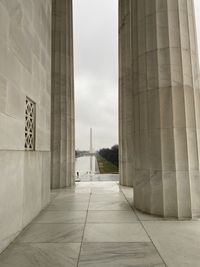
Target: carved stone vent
{"x": 30, "y": 125}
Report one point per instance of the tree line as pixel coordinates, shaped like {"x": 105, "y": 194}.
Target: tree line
{"x": 110, "y": 154}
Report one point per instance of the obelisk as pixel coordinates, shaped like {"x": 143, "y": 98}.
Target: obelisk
{"x": 91, "y": 150}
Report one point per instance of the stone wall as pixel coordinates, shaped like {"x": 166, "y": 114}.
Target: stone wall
{"x": 25, "y": 71}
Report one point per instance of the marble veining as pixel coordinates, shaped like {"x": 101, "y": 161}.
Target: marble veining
{"x": 109, "y": 205}
{"x": 107, "y": 197}
{"x": 82, "y": 206}
{"x": 107, "y": 232}
{"x": 119, "y": 254}
{"x": 62, "y": 217}
{"x": 111, "y": 216}
{"x": 52, "y": 233}
{"x": 108, "y": 238}
{"x": 41, "y": 255}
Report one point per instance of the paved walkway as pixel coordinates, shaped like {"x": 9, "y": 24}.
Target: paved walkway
{"x": 86, "y": 177}
{"x": 94, "y": 225}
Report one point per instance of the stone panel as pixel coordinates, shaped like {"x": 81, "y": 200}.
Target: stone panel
{"x": 32, "y": 186}
{"x": 15, "y": 102}
{"x": 12, "y": 134}
{"x": 3, "y": 94}
{"x": 11, "y": 195}
{"x": 25, "y": 71}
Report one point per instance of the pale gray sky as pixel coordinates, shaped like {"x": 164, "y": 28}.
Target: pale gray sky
{"x": 96, "y": 70}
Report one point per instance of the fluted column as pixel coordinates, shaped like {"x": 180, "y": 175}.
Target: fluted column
{"x": 126, "y": 164}
{"x": 62, "y": 139}
{"x": 166, "y": 102}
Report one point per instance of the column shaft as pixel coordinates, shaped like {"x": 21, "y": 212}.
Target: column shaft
{"x": 62, "y": 138}
{"x": 126, "y": 160}
{"x": 166, "y": 99}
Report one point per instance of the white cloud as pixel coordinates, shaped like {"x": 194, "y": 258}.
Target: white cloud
{"x": 96, "y": 70}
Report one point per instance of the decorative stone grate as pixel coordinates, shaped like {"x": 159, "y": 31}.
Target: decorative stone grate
{"x": 30, "y": 125}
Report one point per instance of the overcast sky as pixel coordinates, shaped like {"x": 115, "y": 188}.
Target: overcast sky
{"x": 96, "y": 70}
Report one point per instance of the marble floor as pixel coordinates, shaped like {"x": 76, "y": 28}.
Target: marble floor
{"x": 94, "y": 225}
{"x": 86, "y": 177}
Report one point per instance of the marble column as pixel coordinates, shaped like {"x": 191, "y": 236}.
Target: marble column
{"x": 166, "y": 99}
{"x": 62, "y": 138}
{"x": 126, "y": 159}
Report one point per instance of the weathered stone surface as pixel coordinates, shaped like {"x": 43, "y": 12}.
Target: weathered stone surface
{"x": 126, "y": 159}
{"x": 11, "y": 133}
{"x": 62, "y": 126}
{"x": 15, "y": 102}
{"x": 11, "y": 195}
{"x": 160, "y": 37}
{"x": 25, "y": 71}
{"x": 3, "y": 94}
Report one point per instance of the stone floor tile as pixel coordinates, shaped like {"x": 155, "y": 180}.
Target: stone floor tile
{"x": 85, "y": 184}
{"x": 73, "y": 197}
{"x": 109, "y": 205}
{"x": 50, "y": 233}
{"x": 107, "y": 197}
{"x": 119, "y": 255}
{"x": 104, "y": 184}
{"x": 108, "y": 189}
{"x": 111, "y": 217}
{"x": 177, "y": 242}
{"x": 147, "y": 217}
{"x": 61, "y": 217}
{"x": 40, "y": 255}
{"x": 83, "y": 190}
{"x": 69, "y": 201}
{"x": 124, "y": 232}
{"x": 73, "y": 205}
{"x": 128, "y": 191}
{"x": 77, "y": 190}
{"x": 99, "y": 177}
{"x": 53, "y": 195}
{"x": 102, "y": 177}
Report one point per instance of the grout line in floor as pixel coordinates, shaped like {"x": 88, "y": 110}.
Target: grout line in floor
{"x": 144, "y": 228}
{"x": 59, "y": 223}
{"x": 84, "y": 230}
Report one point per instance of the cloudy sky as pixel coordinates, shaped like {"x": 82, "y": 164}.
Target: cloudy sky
{"x": 96, "y": 70}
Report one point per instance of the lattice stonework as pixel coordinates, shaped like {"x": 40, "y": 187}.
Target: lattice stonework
{"x": 30, "y": 125}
